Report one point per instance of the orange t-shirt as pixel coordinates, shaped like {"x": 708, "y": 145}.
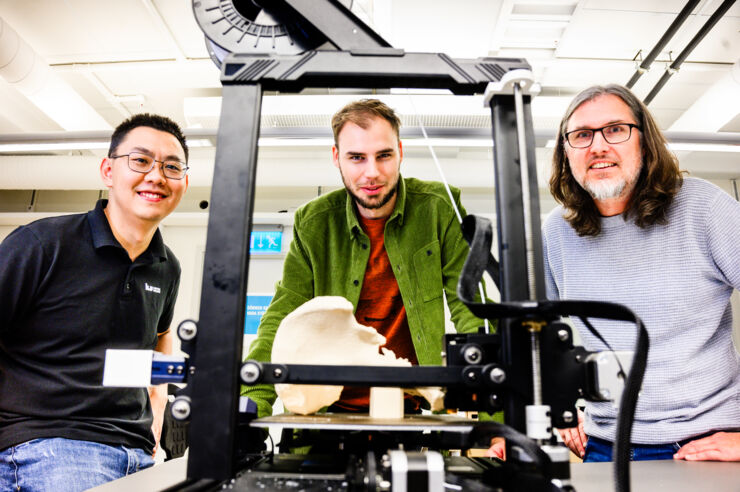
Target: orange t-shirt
{"x": 381, "y": 307}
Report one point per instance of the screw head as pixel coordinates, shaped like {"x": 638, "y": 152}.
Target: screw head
{"x": 277, "y": 372}
{"x": 180, "y": 408}
{"x": 568, "y": 416}
{"x": 472, "y": 355}
{"x": 563, "y": 335}
{"x": 187, "y": 330}
{"x": 250, "y": 373}
{"x": 498, "y": 375}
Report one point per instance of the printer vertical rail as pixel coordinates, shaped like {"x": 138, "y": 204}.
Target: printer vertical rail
{"x": 515, "y": 343}
{"x": 221, "y": 323}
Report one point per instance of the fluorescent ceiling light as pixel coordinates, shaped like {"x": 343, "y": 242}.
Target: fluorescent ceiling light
{"x": 420, "y": 91}
{"x": 685, "y": 147}
{"x": 321, "y": 104}
{"x": 295, "y": 142}
{"x": 448, "y": 142}
{"x": 703, "y": 147}
{"x": 538, "y": 23}
{"x": 276, "y": 142}
{"x": 51, "y": 146}
{"x": 199, "y": 142}
{"x": 550, "y": 18}
{"x": 407, "y": 142}
{"x": 36, "y": 147}
{"x": 263, "y": 142}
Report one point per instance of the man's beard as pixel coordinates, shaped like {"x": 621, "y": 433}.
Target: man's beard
{"x": 605, "y": 189}
{"x": 370, "y": 205}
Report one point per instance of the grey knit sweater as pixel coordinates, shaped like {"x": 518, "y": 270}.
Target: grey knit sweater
{"x": 678, "y": 278}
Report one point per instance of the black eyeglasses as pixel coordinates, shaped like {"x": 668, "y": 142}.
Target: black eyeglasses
{"x": 613, "y": 134}
{"x": 142, "y": 163}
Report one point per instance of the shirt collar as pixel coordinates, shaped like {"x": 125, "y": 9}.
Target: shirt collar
{"x": 102, "y": 235}
{"x": 398, "y": 210}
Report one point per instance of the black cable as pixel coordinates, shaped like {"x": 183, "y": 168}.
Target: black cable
{"x": 272, "y": 446}
{"x": 469, "y": 225}
{"x": 627, "y": 406}
{"x": 596, "y": 333}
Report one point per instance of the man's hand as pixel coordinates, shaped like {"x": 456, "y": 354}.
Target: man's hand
{"x": 575, "y": 438}
{"x": 497, "y": 449}
{"x": 722, "y": 446}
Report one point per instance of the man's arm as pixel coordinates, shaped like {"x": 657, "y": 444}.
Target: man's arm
{"x": 158, "y": 394}
{"x": 22, "y": 268}
{"x": 295, "y": 288}
{"x": 723, "y": 239}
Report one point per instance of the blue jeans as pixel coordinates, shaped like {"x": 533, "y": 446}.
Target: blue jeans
{"x": 598, "y": 450}
{"x": 66, "y": 465}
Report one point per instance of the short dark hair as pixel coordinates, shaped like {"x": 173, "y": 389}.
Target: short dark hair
{"x": 360, "y": 112}
{"x": 659, "y": 180}
{"x": 155, "y": 121}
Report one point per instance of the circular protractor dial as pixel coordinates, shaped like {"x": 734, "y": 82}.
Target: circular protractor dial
{"x": 245, "y": 26}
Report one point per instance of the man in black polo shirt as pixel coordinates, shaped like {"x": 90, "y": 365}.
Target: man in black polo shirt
{"x": 72, "y": 287}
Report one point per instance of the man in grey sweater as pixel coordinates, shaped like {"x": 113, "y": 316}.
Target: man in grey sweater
{"x": 631, "y": 230}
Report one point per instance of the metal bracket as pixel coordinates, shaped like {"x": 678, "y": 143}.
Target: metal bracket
{"x": 505, "y": 86}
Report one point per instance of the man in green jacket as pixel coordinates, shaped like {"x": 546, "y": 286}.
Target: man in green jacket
{"x": 391, "y": 246}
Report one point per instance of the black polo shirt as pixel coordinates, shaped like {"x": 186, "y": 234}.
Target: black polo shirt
{"x": 68, "y": 292}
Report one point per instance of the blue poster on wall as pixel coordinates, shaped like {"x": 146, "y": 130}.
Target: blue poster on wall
{"x": 256, "y": 307}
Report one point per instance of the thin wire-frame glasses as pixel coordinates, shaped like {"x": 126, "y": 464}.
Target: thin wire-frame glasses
{"x": 142, "y": 163}
{"x": 613, "y": 134}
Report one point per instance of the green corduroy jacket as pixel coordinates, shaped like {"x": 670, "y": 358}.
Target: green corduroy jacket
{"x": 328, "y": 257}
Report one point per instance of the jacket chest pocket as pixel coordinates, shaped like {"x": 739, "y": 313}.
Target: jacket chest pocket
{"x": 428, "y": 271}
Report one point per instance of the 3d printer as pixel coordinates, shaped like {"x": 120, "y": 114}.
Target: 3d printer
{"x": 529, "y": 368}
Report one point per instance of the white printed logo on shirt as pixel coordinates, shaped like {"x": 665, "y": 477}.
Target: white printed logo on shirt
{"x": 151, "y": 288}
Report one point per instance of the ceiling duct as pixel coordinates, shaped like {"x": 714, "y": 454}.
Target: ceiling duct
{"x": 26, "y": 71}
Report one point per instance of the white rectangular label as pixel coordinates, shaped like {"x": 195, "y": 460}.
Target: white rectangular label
{"x": 128, "y": 368}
